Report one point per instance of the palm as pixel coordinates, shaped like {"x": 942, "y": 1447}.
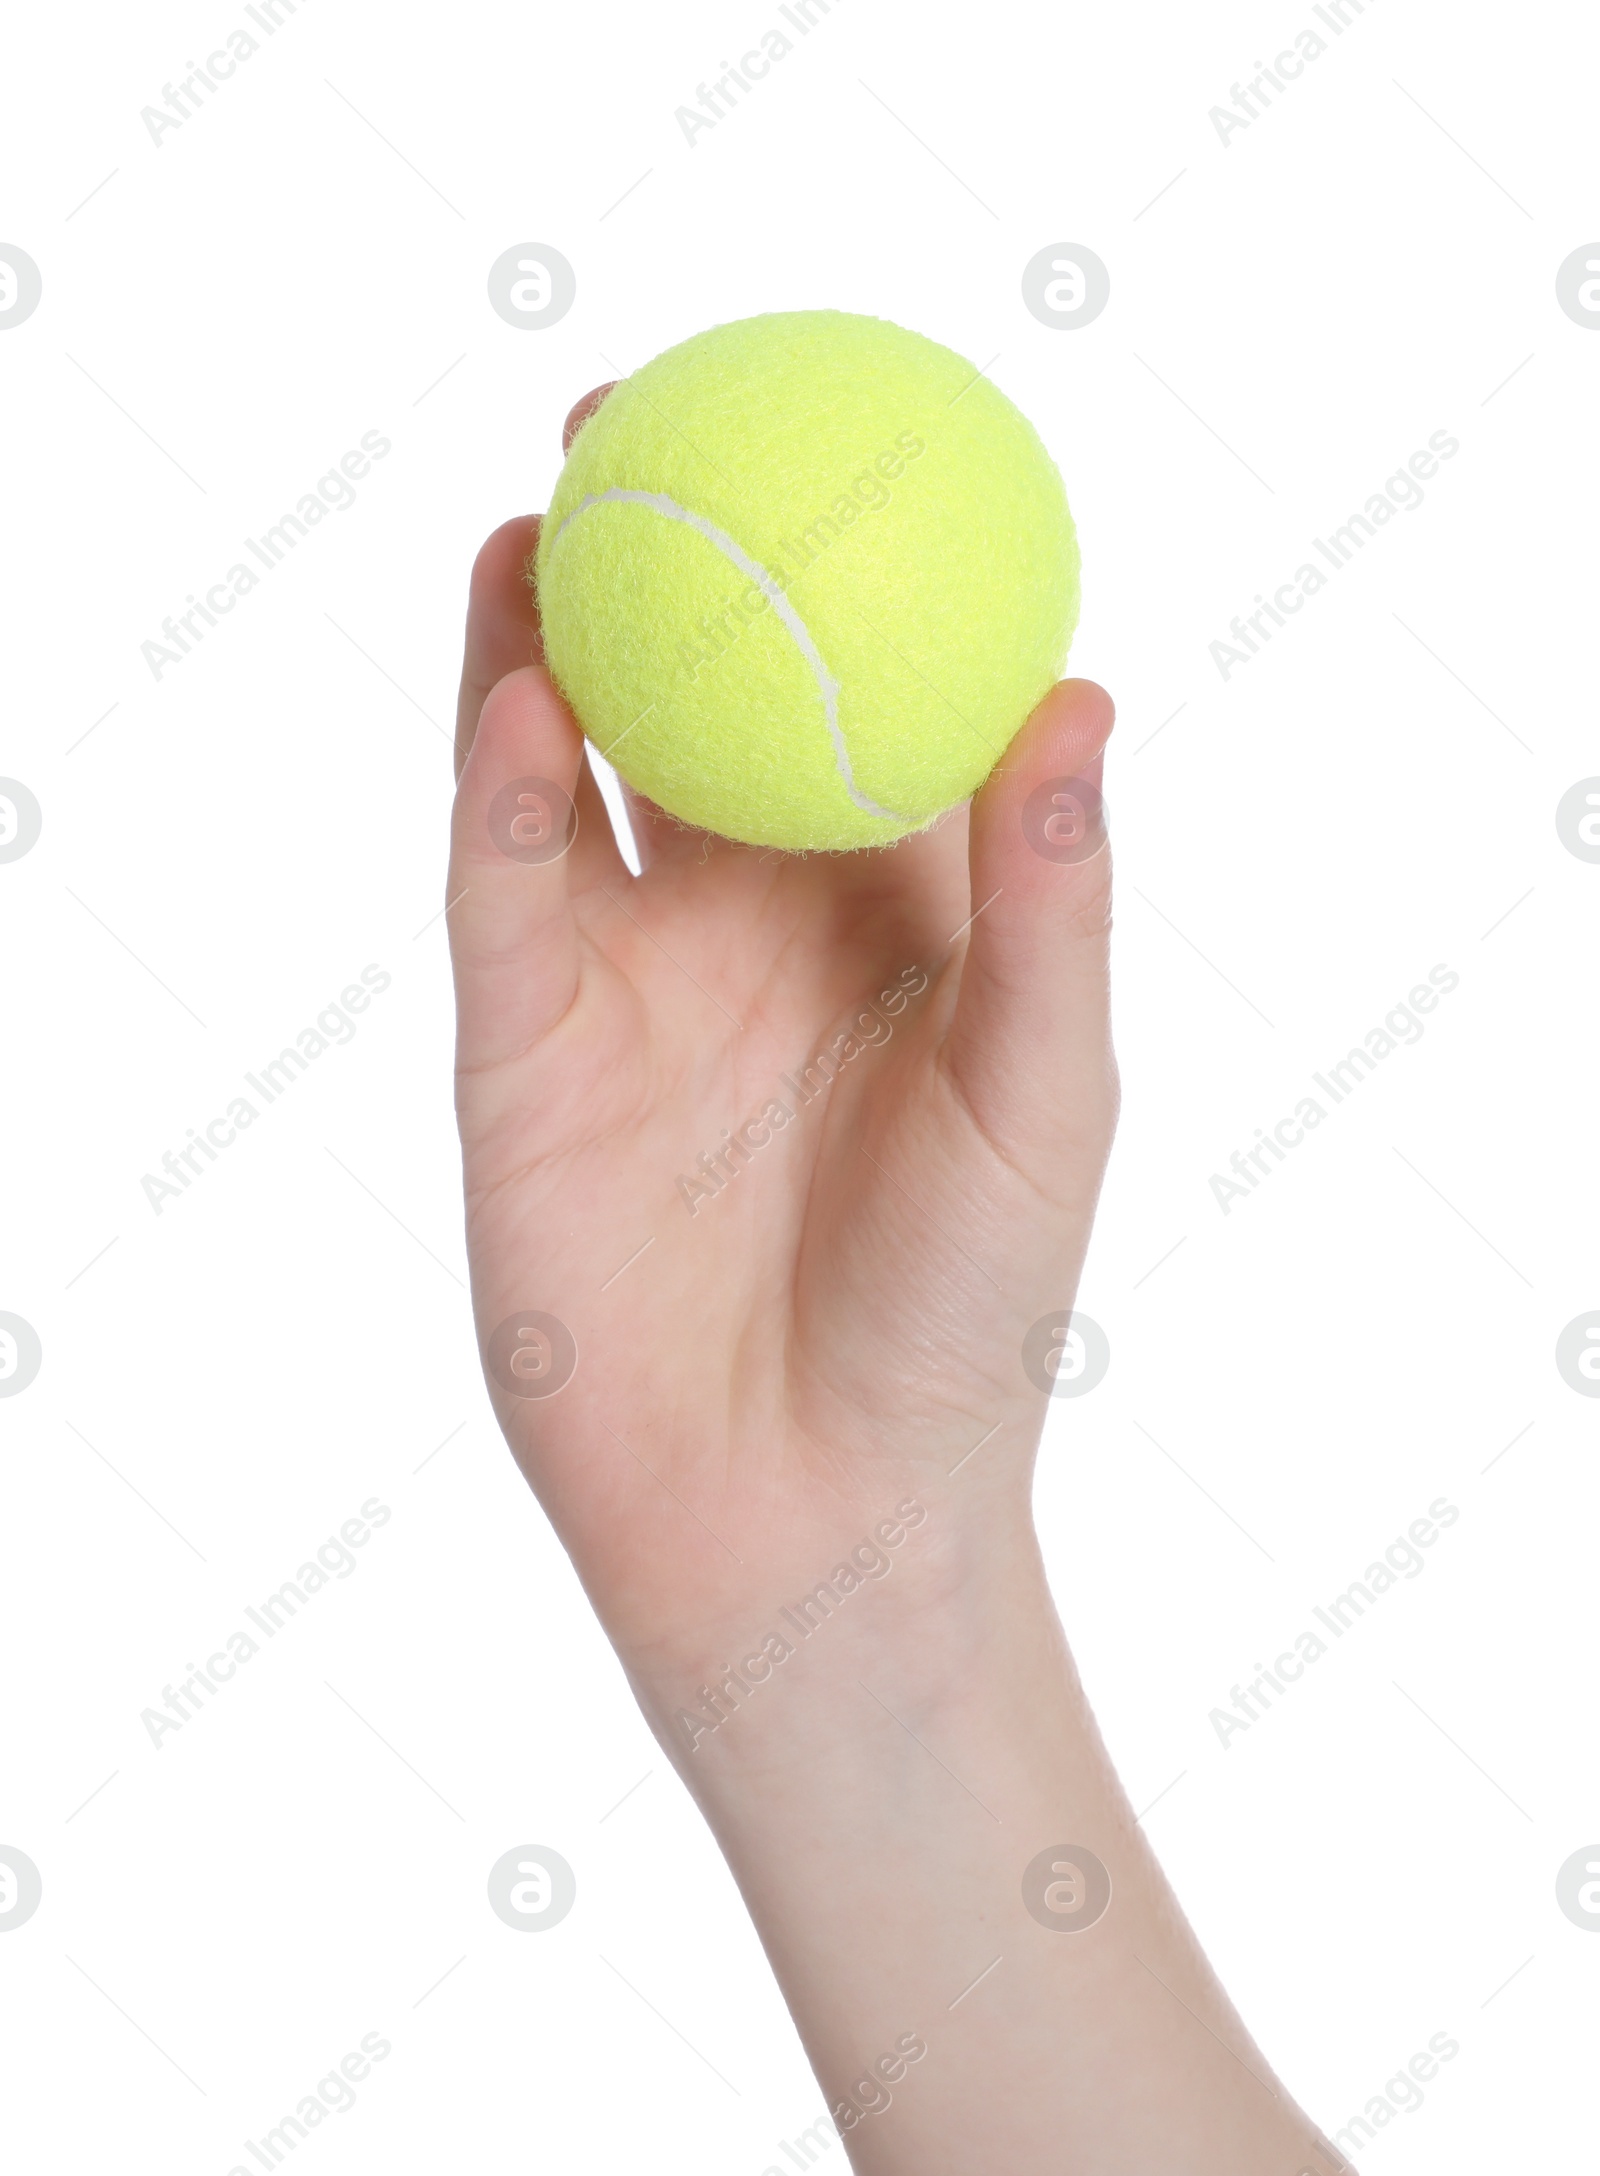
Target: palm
{"x": 779, "y": 1341}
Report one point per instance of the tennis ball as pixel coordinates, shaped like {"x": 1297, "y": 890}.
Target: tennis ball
{"x": 804, "y": 576}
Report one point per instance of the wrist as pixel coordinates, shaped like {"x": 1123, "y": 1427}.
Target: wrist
{"x": 931, "y": 1613}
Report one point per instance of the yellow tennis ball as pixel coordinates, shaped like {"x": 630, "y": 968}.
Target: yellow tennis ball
{"x": 804, "y": 576}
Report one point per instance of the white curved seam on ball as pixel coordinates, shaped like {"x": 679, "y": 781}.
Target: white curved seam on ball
{"x": 730, "y": 549}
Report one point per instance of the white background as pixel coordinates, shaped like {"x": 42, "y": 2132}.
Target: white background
{"x": 224, "y": 849}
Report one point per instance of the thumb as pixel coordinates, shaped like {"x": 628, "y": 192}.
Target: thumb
{"x": 1030, "y": 1041}
{"x": 513, "y": 939}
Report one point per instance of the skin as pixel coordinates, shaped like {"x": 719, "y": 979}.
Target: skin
{"x": 785, "y": 1375}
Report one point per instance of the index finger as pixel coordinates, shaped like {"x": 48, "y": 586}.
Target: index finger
{"x": 502, "y": 623}
{"x": 502, "y": 617}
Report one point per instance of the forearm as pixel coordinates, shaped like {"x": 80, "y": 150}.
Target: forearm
{"x": 881, "y": 1796}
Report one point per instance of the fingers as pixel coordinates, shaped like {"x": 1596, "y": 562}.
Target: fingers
{"x": 513, "y": 939}
{"x": 580, "y": 413}
{"x": 502, "y": 625}
{"x": 502, "y": 619}
{"x": 1030, "y": 1043}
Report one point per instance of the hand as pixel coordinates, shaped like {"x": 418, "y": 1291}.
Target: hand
{"x": 825, "y": 1324}
{"x": 798, "y": 1149}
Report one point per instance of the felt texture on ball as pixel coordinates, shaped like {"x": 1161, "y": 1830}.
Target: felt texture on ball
{"x": 803, "y": 577}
